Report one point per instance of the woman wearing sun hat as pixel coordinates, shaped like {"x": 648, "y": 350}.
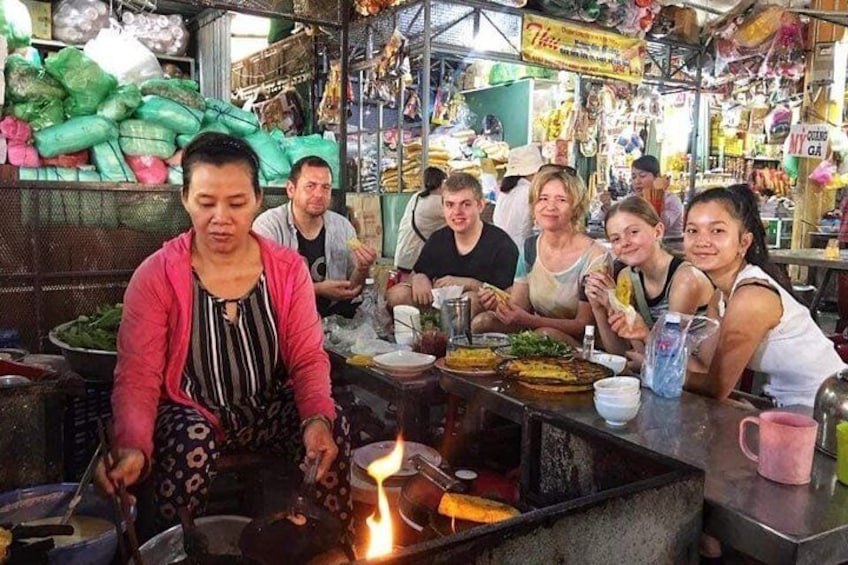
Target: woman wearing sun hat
{"x": 512, "y": 209}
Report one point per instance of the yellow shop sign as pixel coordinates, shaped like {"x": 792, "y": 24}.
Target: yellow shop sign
{"x": 581, "y": 49}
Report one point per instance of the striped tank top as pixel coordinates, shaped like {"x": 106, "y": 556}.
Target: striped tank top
{"x": 233, "y": 368}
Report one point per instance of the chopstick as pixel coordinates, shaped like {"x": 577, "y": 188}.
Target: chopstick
{"x": 84, "y": 481}
{"x": 120, "y": 506}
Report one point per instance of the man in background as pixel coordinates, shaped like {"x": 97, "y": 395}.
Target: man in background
{"x": 338, "y": 262}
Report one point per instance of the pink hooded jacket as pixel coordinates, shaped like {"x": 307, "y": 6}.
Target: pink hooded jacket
{"x": 155, "y": 333}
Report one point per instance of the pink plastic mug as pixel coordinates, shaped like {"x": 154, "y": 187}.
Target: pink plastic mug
{"x": 787, "y": 444}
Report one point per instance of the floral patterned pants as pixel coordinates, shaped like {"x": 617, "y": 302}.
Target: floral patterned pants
{"x": 185, "y": 451}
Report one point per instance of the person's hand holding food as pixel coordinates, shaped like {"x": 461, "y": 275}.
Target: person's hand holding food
{"x": 491, "y": 296}
{"x": 626, "y": 328}
{"x": 512, "y": 315}
{"x": 597, "y": 285}
{"x": 363, "y": 255}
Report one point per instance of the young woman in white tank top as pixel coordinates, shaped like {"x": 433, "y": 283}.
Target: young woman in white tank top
{"x": 763, "y": 327}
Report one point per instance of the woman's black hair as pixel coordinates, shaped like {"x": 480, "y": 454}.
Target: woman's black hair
{"x": 433, "y": 179}
{"x": 213, "y": 148}
{"x": 508, "y": 183}
{"x": 741, "y": 202}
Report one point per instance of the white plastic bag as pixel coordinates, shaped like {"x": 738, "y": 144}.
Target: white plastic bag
{"x": 78, "y": 21}
{"x": 165, "y": 35}
{"x": 123, "y": 56}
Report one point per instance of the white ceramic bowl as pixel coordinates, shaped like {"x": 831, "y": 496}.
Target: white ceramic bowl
{"x": 625, "y": 399}
{"x": 617, "y": 384}
{"x": 616, "y": 414}
{"x": 615, "y": 362}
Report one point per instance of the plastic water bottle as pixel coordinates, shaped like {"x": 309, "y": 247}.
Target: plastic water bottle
{"x": 589, "y": 343}
{"x": 369, "y": 298}
{"x": 669, "y": 361}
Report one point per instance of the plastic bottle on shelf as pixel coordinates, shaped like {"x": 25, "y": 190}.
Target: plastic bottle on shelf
{"x": 669, "y": 367}
{"x": 589, "y": 342}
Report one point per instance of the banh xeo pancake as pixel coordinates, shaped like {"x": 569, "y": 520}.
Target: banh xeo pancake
{"x": 624, "y": 289}
{"x": 554, "y": 374}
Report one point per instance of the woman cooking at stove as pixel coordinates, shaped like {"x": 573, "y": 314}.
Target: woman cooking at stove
{"x": 762, "y": 326}
{"x": 221, "y": 349}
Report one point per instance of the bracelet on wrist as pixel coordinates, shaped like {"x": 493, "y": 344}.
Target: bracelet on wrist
{"x": 316, "y": 418}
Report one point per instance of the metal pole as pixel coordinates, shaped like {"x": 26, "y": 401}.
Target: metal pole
{"x": 696, "y": 110}
{"x": 425, "y": 91}
{"x": 361, "y": 90}
{"x": 344, "y": 6}
{"x": 399, "y": 125}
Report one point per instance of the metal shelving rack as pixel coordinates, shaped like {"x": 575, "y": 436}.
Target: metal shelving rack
{"x": 447, "y": 30}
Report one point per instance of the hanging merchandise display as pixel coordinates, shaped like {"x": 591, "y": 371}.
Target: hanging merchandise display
{"x": 412, "y": 106}
{"x": 373, "y": 7}
{"x": 786, "y": 56}
{"x": 777, "y": 125}
{"x": 392, "y": 73}
{"x": 628, "y": 17}
{"x": 328, "y": 109}
{"x": 576, "y": 48}
{"x": 284, "y": 111}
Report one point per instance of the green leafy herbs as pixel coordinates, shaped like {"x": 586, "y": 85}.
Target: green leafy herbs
{"x": 430, "y": 319}
{"x": 529, "y": 343}
{"x": 99, "y": 331}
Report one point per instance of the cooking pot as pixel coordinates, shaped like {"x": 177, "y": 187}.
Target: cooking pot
{"x": 222, "y": 532}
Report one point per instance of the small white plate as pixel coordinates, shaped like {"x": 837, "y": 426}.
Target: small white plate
{"x": 404, "y": 361}
{"x": 367, "y": 454}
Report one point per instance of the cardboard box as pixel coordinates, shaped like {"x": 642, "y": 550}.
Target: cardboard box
{"x": 41, "y": 14}
{"x": 366, "y": 217}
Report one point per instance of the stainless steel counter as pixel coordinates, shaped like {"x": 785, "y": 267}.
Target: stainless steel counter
{"x": 769, "y": 521}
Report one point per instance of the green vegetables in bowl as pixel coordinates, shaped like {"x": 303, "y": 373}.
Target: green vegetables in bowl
{"x": 529, "y": 344}
{"x": 98, "y": 331}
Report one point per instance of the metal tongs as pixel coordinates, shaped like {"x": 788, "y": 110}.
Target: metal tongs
{"x": 434, "y": 474}
{"x": 300, "y": 502}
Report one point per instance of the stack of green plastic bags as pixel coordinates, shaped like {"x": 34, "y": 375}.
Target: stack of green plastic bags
{"x": 73, "y": 105}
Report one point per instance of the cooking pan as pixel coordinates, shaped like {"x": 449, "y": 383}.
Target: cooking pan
{"x": 420, "y": 498}
{"x": 296, "y": 534}
{"x": 421, "y": 495}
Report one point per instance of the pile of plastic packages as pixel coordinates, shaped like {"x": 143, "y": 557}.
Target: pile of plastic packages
{"x": 106, "y": 113}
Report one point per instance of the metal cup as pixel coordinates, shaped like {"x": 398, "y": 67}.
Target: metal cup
{"x": 456, "y": 316}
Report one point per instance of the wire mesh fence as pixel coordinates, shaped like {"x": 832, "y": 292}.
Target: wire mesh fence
{"x": 64, "y": 252}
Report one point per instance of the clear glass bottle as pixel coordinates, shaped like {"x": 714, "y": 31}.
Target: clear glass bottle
{"x": 589, "y": 342}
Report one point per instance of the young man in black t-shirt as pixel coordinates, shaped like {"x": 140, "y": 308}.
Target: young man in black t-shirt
{"x": 468, "y": 252}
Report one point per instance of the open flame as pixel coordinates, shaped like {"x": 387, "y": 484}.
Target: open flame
{"x": 381, "y": 539}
